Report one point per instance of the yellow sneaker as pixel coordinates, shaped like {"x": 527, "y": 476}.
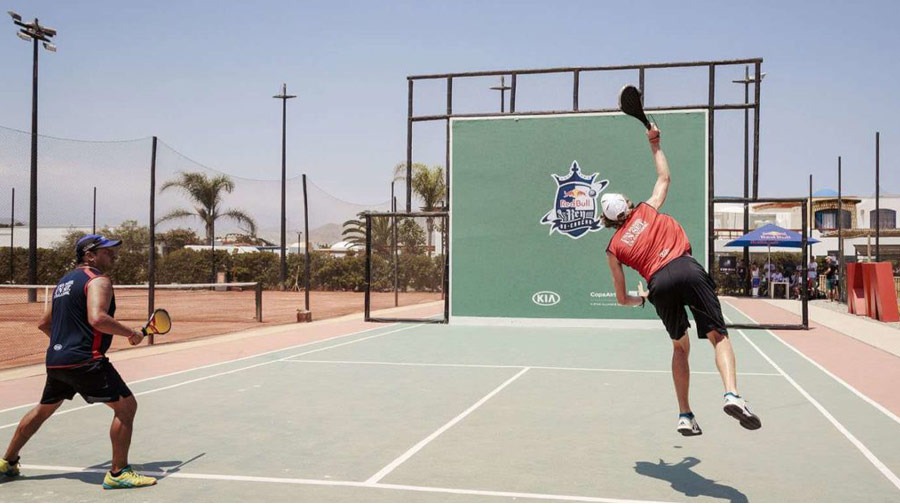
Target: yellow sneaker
{"x": 9, "y": 470}
{"x": 127, "y": 479}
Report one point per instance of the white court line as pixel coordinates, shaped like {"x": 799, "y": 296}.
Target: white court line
{"x": 337, "y": 483}
{"x": 500, "y": 366}
{"x": 890, "y": 414}
{"x": 202, "y": 378}
{"x": 198, "y": 368}
{"x": 421, "y": 444}
{"x": 875, "y": 461}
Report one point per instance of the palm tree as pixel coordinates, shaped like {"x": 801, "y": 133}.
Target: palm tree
{"x": 206, "y": 194}
{"x": 355, "y": 233}
{"x": 430, "y": 186}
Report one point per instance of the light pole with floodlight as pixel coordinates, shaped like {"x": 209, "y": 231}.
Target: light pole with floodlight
{"x": 33, "y": 32}
{"x": 284, "y": 97}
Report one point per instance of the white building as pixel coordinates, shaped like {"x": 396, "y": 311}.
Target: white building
{"x": 857, "y": 216}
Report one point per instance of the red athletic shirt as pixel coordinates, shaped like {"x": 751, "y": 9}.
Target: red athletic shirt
{"x": 648, "y": 240}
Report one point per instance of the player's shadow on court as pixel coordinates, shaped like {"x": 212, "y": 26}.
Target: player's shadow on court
{"x": 168, "y": 467}
{"x": 683, "y": 479}
{"x": 94, "y": 474}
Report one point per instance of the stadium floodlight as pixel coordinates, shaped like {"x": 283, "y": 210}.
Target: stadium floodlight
{"x": 34, "y": 33}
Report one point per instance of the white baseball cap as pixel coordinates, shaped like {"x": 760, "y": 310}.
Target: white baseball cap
{"x": 613, "y": 205}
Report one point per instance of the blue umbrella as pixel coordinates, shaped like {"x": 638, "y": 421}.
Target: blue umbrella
{"x": 770, "y": 235}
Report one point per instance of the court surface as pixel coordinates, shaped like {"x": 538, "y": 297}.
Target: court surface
{"x": 346, "y": 411}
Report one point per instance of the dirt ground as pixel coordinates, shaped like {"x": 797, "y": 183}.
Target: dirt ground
{"x": 195, "y": 315}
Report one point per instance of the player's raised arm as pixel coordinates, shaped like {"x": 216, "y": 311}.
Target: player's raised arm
{"x": 661, "y": 189}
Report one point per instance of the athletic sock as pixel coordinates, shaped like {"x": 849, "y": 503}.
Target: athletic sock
{"x": 116, "y": 474}
{"x": 732, "y": 394}
{"x": 687, "y": 415}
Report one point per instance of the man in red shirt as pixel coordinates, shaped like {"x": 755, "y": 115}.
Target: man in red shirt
{"x": 656, "y": 246}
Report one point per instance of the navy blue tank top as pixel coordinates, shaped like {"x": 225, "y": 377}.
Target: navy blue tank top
{"x": 72, "y": 339}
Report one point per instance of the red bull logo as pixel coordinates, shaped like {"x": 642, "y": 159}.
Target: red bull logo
{"x": 575, "y": 210}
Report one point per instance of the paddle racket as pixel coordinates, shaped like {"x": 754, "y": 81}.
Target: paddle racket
{"x": 630, "y": 103}
{"x": 160, "y": 323}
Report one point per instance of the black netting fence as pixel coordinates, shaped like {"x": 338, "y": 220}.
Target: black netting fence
{"x": 106, "y": 187}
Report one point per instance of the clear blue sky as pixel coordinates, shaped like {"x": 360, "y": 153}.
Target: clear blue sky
{"x": 200, "y": 74}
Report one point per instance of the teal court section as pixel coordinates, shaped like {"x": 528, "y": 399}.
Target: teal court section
{"x": 514, "y": 195}
{"x": 437, "y": 413}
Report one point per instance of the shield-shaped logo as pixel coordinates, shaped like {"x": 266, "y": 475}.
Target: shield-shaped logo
{"x": 575, "y": 208}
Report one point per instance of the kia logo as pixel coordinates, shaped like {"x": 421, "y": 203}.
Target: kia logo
{"x": 545, "y": 298}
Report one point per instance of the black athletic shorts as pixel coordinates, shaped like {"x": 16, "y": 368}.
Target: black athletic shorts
{"x": 683, "y": 282}
{"x": 96, "y": 381}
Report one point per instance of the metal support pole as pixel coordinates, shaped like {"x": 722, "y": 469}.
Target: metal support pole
{"x": 710, "y": 189}
{"x": 151, "y": 265}
{"x": 284, "y": 97}
{"x": 840, "y": 223}
{"x": 32, "y": 208}
{"x": 368, "y": 271}
{"x": 804, "y": 305}
{"x": 746, "y": 228}
{"x": 503, "y": 88}
{"x": 35, "y": 33}
{"x": 212, "y": 250}
{"x": 811, "y": 223}
{"x": 576, "y": 77}
{"x": 409, "y": 136}
{"x": 394, "y": 257}
{"x": 308, "y": 256}
{"x": 12, "y": 230}
{"x": 756, "y": 98}
{"x": 94, "y": 220}
{"x": 512, "y": 94}
{"x": 258, "y": 291}
{"x": 877, "y": 196}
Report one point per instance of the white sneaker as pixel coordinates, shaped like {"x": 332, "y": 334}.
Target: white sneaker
{"x": 688, "y": 426}
{"x": 738, "y": 408}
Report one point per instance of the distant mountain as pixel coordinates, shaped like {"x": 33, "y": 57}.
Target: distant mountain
{"x": 327, "y": 234}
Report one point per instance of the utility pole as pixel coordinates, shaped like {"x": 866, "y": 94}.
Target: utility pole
{"x": 503, "y": 88}
{"x": 284, "y": 97}
{"x": 746, "y": 81}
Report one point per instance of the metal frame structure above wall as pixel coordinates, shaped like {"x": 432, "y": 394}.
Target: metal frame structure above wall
{"x": 712, "y": 105}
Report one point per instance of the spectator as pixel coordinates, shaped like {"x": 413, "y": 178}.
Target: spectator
{"x": 796, "y": 284}
{"x": 778, "y": 276}
{"x": 754, "y": 279}
{"x": 831, "y": 278}
{"x": 789, "y": 267}
{"x": 812, "y": 277}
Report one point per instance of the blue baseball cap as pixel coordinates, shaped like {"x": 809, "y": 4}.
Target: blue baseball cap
{"x": 93, "y": 242}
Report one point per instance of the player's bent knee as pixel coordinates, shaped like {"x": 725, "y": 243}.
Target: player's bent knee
{"x": 715, "y": 336}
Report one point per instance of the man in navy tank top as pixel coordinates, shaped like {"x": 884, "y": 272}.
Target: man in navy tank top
{"x": 656, "y": 246}
{"x": 80, "y": 324}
